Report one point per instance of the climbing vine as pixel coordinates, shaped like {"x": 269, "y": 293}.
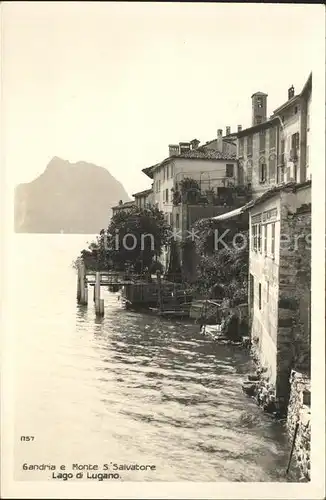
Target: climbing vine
{"x": 223, "y": 267}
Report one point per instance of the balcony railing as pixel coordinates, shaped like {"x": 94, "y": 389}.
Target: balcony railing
{"x": 217, "y": 196}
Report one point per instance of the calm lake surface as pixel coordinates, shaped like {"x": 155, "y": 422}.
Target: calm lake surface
{"x": 130, "y": 388}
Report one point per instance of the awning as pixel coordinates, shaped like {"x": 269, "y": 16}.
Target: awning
{"x": 233, "y": 213}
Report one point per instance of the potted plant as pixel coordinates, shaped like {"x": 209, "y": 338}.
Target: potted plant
{"x": 210, "y": 195}
{"x": 189, "y": 190}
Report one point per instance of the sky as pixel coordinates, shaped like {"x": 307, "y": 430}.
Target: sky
{"x": 115, "y": 83}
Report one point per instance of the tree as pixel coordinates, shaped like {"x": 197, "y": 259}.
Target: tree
{"x": 223, "y": 269}
{"x": 135, "y": 237}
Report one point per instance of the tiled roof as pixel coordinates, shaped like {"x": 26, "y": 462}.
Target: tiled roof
{"x": 260, "y": 126}
{"x": 226, "y": 138}
{"x": 127, "y": 204}
{"x": 146, "y": 192}
{"x": 288, "y": 186}
{"x": 287, "y": 103}
{"x": 193, "y": 154}
{"x": 148, "y": 171}
{"x": 205, "y": 154}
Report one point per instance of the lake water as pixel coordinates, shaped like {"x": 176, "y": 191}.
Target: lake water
{"x": 127, "y": 389}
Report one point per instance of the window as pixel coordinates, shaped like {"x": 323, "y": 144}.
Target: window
{"x": 265, "y": 239}
{"x": 294, "y": 145}
{"x": 259, "y": 296}
{"x": 272, "y": 137}
{"x": 229, "y": 170}
{"x": 177, "y": 221}
{"x": 297, "y": 140}
{"x": 254, "y": 237}
{"x": 166, "y": 195}
{"x": 282, "y": 162}
{"x": 164, "y": 173}
{"x": 249, "y": 145}
{"x": 262, "y": 140}
{"x": 271, "y": 168}
{"x": 273, "y": 240}
{"x": 259, "y": 102}
{"x": 167, "y": 171}
{"x": 241, "y": 146}
{"x": 262, "y": 172}
{"x": 295, "y": 110}
{"x": 259, "y": 237}
{"x": 252, "y": 289}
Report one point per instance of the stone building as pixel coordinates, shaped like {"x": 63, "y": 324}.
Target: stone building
{"x": 122, "y": 206}
{"x": 279, "y": 283}
{"x": 207, "y": 168}
{"x": 144, "y": 199}
{"x": 276, "y": 149}
{"x": 226, "y": 144}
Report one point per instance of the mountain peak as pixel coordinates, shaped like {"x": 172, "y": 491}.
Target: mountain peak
{"x": 73, "y": 197}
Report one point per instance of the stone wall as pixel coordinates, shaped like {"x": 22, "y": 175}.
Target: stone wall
{"x": 299, "y": 414}
{"x": 293, "y": 346}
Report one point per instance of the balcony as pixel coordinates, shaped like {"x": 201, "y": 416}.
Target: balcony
{"x": 228, "y": 193}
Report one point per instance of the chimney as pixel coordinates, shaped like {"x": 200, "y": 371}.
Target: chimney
{"x": 184, "y": 147}
{"x": 228, "y": 130}
{"x": 173, "y": 149}
{"x": 220, "y": 140}
{"x": 291, "y": 92}
{"x": 239, "y": 128}
{"x": 194, "y": 143}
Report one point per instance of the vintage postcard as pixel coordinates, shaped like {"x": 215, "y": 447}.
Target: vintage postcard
{"x": 162, "y": 250}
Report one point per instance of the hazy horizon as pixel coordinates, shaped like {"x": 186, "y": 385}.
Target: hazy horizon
{"x": 114, "y": 83}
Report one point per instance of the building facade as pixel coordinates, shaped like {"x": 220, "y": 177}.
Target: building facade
{"x": 122, "y": 206}
{"x": 144, "y": 199}
{"x": 210, "y": 168}
{"x": 207, "y": 168}
{"x": 276, "y": 150}
{"x": 226, "y": 144}
{"x": 279, "y": 282}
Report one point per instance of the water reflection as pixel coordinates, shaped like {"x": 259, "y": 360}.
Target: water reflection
{"x": 133, "y": 387}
